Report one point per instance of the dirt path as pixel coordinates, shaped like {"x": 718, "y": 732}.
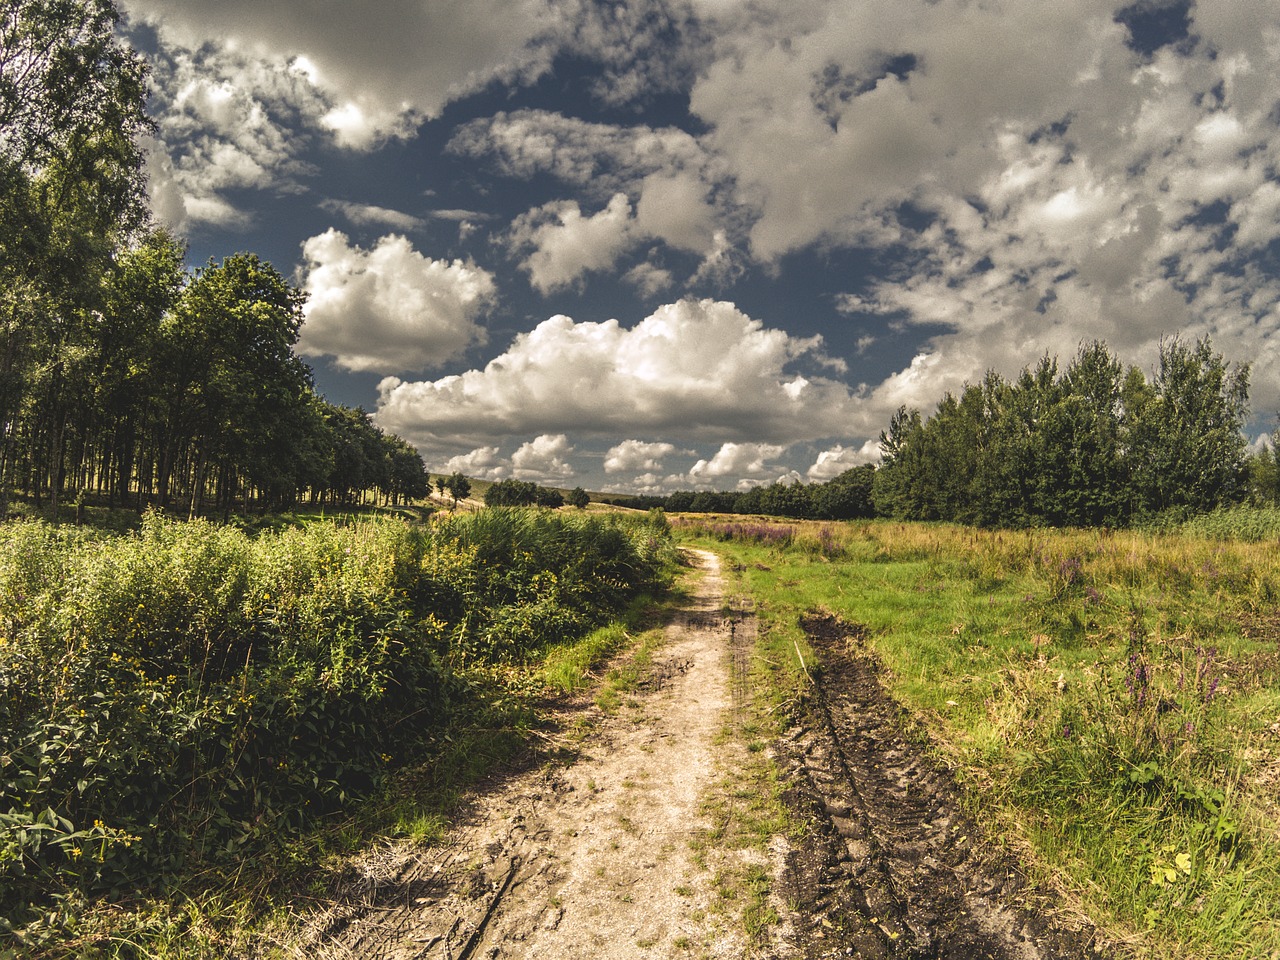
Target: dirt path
{"x": 598, "y": 858}
{"x": 587, "y": 860}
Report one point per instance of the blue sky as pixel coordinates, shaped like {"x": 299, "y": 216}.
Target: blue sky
{"x": 709, "y": 243}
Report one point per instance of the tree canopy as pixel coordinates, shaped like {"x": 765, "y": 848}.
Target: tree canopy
{"x": 1096, "y": 445}
{"x": 121, "y": 373}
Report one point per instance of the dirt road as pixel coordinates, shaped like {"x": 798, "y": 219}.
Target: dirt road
{"x": 600, "y": 858}
{"x": 589, "y": 860}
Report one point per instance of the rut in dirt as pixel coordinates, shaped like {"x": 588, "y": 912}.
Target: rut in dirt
{"x": 893, "y": 866}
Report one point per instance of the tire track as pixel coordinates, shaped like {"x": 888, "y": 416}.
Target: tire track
{"x": 896, "y": 868}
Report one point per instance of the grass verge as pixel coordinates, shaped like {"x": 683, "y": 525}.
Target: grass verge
{"x": 1110, "y": 701}
{"x": 745, "y": 811}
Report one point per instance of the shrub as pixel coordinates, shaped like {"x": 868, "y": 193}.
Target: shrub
{"x": 186, "y": 693}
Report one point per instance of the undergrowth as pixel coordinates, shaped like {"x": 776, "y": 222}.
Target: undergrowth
{"x": 186, "y": 698}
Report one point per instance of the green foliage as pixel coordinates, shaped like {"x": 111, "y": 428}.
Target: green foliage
{"x": 522, "y": 493}
{"x": 120, "y": 374}
{"x": 187, "y": 694}
{"x": 1243, "y": 523}
{"x": 845, "y": 497}
{"x": 1094, "y": 446}
{"x": 459, "y": 486}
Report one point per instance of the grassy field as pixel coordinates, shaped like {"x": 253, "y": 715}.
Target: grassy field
{"x": 1111, "y": 700}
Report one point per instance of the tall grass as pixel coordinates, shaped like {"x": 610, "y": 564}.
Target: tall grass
{"x": 183, "y": 695}
{"x": 1111, "y": 698}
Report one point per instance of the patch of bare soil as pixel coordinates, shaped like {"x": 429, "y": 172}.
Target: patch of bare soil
{"x": 588, "y": 859}
{"x": 892, "y": 865}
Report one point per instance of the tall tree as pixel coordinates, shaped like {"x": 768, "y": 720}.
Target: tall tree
{"x": 235, "y": 391}
{"x": 1188, "y": 448}
{"x": 71, "y": 190}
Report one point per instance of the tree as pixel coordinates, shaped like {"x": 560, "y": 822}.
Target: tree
{"x": 846, "y": 496}
{"x": 459, "y": 487}
{"x": 408, "y": 477}
{"x": 72, "y": 101}
{"x": 893, "y": 491}
{"x": 235, "y": 390}
{"x": 511, "y": 493}
{"x": 1188, "y": 451}
{"x": 1264, "y": 477}
{"x": 578, "y": 498}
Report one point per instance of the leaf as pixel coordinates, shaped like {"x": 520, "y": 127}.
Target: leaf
{"x": 1183, "y": 862}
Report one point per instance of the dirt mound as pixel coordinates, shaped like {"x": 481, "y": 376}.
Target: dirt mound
{"x": 894, "y": 867}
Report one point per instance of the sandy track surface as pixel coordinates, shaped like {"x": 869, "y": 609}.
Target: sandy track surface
{"x": 606, "y": 856}
{"x": 591, "y": 859}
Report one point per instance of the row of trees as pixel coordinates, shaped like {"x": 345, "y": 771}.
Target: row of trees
{"x": 845, "y": 497}
{"x": 121, "y": 374}
{"x": 1096, "y": 445}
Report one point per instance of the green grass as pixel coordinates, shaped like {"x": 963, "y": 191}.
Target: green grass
{"x": 1110, "y": 701}
{"x": 745, "y": 809}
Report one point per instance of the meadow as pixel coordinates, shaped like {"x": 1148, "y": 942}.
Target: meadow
{"x": 1110, "y": 700}
{"x": 187, "y": 699}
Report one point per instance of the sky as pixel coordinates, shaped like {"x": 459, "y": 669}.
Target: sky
{"x": 708, "y": 244}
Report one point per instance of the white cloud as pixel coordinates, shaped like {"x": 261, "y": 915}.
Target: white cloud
{"x": 674, "y": 208}
{"x": 649, "y": 279}
{"x": 482, "y": 463}
{"x": 741, "y": 460}
{"x": 389, "y": 308}
{"x": 1066, "y": 179}
{"x": 838, "y": 459}
{"x": 630, "y": 455}
{"x": 543, "y": 459}
{"x": 379, "y": 66}
{"x": 603, "y": 158}
{"x": 567, "y": 244}
{"x": 221, "y": 127}
{"x": 693, "y": 371}
{"x": 368, "y": 215}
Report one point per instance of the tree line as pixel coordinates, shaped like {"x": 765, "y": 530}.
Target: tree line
{"x": 123, "y": 375}
{"x": 1096, "y": 444}
{"x": 847, "y": 496}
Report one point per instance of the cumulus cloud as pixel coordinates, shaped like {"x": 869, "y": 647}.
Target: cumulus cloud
{"x": 223, "y": 126}
{"x": 603, "y": 158}
{"x": 389, "y": 309}
{"x": 630, "y": 455}
{"x": 655, "y": 184}
{"x": 484, "y": 463}
{"x": 838, "y": 459}
{"x": 543, "y": 459}
{"x": 649, "y": 279}
{"x": 740, "y": 460}
{"x": 567, "y": 244}
{"x": 693, "y": 371}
